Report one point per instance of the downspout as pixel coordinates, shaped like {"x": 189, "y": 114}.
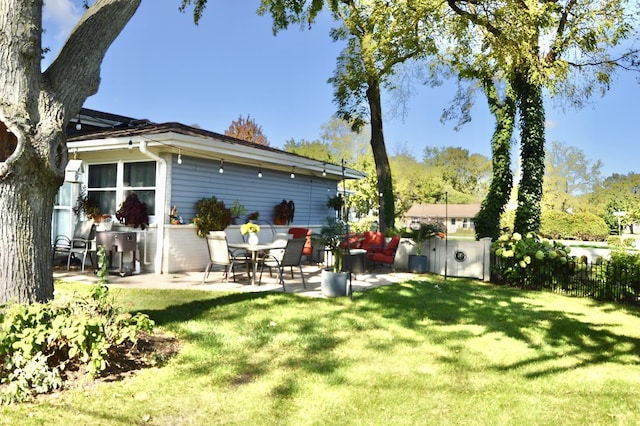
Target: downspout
{"x": 161, "y": 185}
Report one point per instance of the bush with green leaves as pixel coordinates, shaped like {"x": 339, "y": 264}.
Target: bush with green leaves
{"x": 579, "y": 226}
{"x": 518, "y": 256}
{"x": 39, "y": 342}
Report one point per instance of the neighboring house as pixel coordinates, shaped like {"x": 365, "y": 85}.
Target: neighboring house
{"x": 172, "y": 164}
{"x": 456, "y": 216}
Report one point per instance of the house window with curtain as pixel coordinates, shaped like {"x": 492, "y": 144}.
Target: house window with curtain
{"x": 109, "y": 184}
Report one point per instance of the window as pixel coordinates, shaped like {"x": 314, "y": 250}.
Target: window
{"x": 101, "y": 189}
{"x": 109, "y": 184}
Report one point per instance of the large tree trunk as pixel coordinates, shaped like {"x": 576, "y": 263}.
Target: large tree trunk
{"x": 531, "y": 108}
{"x": 383, "y": 169}
{"x": 35, "y": 108}
{"x": 487, "y": 222}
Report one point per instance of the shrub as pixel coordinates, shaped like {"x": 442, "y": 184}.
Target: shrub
{"x": 211, "y": 215}
{"x": 39, "y": 342}
{"x": 516, "y": 257}
{"x": 580, "y": 226}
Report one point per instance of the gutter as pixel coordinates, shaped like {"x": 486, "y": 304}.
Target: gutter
{"x": 161, "y": 185}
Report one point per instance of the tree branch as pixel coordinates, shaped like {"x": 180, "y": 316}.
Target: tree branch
{"x": 75, "y": 74}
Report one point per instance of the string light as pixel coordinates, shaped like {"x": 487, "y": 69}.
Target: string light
{"x": 130, "y": 144}
{"x": 79, "y": 125}
{"x": 293, "y": 175}
{"x": 179, "y": 156}
{"x": 221, "y": 169}
{"x": 324, "y": 170}
{"x": 259, "y": 173}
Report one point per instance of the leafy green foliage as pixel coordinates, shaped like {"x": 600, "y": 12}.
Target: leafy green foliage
{"x": 516, "y": 256}
{"x": 332, "y": 237}
{"x": 211, "y": 215}
{"x": 579, "y": 226}
{"x": 39, "y": 342}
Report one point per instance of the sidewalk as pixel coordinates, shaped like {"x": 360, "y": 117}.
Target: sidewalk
{"x": 215, "y": 282}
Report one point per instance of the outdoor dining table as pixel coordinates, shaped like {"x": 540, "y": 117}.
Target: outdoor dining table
{"x": 254, "y": 250}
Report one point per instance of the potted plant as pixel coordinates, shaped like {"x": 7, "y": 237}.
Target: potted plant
{"x": 89, "y": 208}
{"x": 211, "y": 215}
{"x": 253, "y": 216}
{"x": 419, "y": 233}
{"x": 237, "y": 210}
{"x": 333, "y": 281}
{"x": 336, "y": 202}
{"x": 133, "y": 212}
{"x": 283, "y": 213}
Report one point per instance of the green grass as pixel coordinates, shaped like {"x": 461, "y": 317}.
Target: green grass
{"x": 423, "y": 352}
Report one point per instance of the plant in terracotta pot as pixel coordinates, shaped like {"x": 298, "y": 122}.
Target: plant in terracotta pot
{"x": 133, "y": 212}
{"x": 283, "y": 213}
{"x": 211, "y": 215}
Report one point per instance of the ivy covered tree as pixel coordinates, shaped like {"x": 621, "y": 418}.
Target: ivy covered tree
{"x": 564, "y": 47}
{"x": 35, "y": 108}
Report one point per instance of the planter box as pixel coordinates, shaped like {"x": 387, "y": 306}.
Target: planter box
{"x": 418, "y": 264}
{"x": 334, "y": 284}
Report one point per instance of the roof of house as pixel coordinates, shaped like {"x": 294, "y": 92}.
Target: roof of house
{"x": 443, "y": 210}
{"x": 117, "y": 132}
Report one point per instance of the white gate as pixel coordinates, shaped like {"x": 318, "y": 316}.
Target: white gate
{"x": 453, "y": 258}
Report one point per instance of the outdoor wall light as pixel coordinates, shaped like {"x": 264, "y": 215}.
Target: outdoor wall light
{"x": 221, "y": 169}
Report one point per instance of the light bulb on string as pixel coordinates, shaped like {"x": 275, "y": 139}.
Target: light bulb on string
{"x": 293, "y": 175}
{"x": 221, "y": 169}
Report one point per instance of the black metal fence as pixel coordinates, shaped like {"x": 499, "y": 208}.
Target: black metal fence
{"x": 605, "y": 281}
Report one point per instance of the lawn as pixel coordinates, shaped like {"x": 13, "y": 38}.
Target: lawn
{"x": 422, "y": 352}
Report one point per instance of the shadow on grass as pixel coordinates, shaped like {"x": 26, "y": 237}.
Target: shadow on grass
{"x": 510, "y": 312}
{"x": 263, "y": 332}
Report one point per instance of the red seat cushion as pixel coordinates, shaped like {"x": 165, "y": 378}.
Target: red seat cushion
{"x": 372, "y": 240}
{"x": 392, "y": 246}
{"x": 306, "y": 234}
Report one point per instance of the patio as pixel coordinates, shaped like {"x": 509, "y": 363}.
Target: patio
{"x": 192, "y": 280}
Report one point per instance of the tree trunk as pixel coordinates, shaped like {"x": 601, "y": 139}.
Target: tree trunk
{"x": 531, "y": 108}
{"x": 487, "y": 222}
{"x": 383, "y": 169}
{"x": 35, "y": 108}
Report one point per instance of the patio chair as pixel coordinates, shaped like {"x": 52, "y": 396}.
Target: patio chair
{"x": 305, "y": 233}
{"x": 82, "y": 243}
{"x": 220, "y": 254}
{"x": 290, "y": 256}
{"x": 385, "y": 255}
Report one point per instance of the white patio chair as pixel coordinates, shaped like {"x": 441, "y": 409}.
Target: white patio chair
{"x": 220, "y": 254}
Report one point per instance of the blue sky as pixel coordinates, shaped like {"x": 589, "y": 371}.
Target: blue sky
{"x": 165, "y": 68}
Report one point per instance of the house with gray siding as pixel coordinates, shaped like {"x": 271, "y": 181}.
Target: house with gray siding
{"x": 171, "y": 164}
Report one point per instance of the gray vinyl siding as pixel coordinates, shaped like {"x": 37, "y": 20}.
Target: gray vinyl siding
{"x": 196, "y": 178}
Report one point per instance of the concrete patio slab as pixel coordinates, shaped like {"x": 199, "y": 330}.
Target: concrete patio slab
{"x": 192, "y": 280}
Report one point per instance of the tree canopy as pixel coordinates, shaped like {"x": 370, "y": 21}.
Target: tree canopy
{"x": 248, "y": 130}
